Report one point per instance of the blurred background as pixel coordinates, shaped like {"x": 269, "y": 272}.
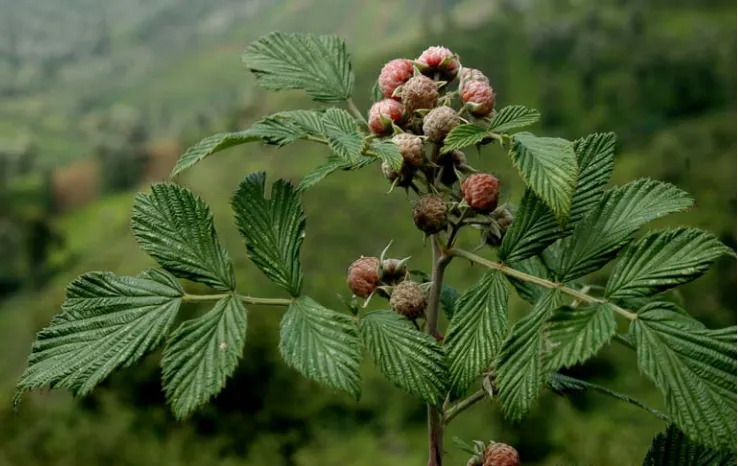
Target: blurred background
{"x": 98, "y": 99}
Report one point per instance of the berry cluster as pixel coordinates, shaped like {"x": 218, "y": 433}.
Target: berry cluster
{"x": 417, "y": 114}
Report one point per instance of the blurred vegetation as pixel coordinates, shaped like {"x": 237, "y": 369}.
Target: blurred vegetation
{"x": 660, "y": 73}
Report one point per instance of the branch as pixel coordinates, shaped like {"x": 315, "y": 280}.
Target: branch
{"x": 246, "y": 299}
{"x": 583, "y": 297}
{"x": 355, "y": 110}
{"x": 463, "y": 405}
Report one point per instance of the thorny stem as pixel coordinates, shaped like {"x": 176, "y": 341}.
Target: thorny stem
{"x": 245, "y": 299}
{"x": 355, "y": 110}
{"x": 435, "y": 417}
{"x": 578, "y": 295}
{"x": 463, "y": 405}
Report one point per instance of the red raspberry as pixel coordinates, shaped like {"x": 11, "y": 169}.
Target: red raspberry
{"x": 393, "y": 75}
{"x": 501, "y": 454}
{"x": 479, "y": 98}
{"x": 438, "y": 59}
{"x": 408, "y": 299}
{"x": 438, "y": 122}
{"x": 420, "y": 92}
{"x": 411, "y": 148}
{"x": 481, "y": 191}
{"x": 390, "y": 110}
{"x": 363, "y": 276}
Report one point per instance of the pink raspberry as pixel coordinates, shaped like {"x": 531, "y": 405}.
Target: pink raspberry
{"x": 501, "y": 454}
{"x": 382, "y": 114}
{"x": 438, "y": 59}
{"x": 481, "y": 191}
{"x": 393, "y": 75}
{"x": 411, "y": 148}
{"x": 479, "y": 98}
{"x": 363, "y": 276}
{"x": 438, "y": 122}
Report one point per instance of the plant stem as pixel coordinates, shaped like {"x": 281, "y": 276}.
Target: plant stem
{"x": 463, "y": 405}
{"x": 435, "y": 419}
{"x": 246, "y": 299}
{"x": 583, "y": 297}
{"x": 355, "y": 110}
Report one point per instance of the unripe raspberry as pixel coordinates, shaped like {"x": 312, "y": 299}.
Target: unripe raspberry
{"x": 430, "y": 214}
{"x": 393, "y": 270}
{"x": 382, "y": 114}
{"x": 501, "y": 454}
{"x": 363, "y": 276}
{"x": 411, "y": 148}
{"x": 438, "y": 59}
{"x": 479, "y": 98}
{"x": 393, "y": 75}
{"x": 438, "y": 122}
{"x": 481, "y": 191}
{"x": 502, "y": 218}
{"x": 472, "y": 74}
{"x": 408, "y": 299}
{"x": 420, "y": 92}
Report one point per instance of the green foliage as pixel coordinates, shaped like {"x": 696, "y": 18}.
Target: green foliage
{"x": 107, "y": 321}
{"x": 273, "y": 228}
{"x": 464, "y": 136}
{"x": 673, "y": 448}
{"x": 201, "y": 354}
{"x": 322, "y": 345}
{"x": 535, "y": 227}
{"x": 513, "y": 117}
{"x": 519, "y": 369}
{"x": 344, "y": 138}
{"x": 175, "y": 227}
{"x": 563, "y": 384}
{"x": 333, "y": 164}
{"x": 412, "y": 360}
{"x": 319, "y": 65}
{"x": 387, "y": 152}
{"x": 549, "y": 168}
{"x": 695, "y": 371}
{"x": 449, "y": 298}
{"x": 477, "y": 329}
{"x": 662, "y": 260}
{"x": 578, "y": 333}
{"x": 527, "y": 290}
{"x": 610, "y": 225}
{"x": 211, "y": 145}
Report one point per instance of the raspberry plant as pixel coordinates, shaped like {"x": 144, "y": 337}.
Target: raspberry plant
{"x": 567, "y": 225}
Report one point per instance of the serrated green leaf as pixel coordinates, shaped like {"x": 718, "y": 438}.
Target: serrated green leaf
{"x": 576, "y": 334}
{"x": 287, "y": 127}
{"x": 320, "y": 65}
{"x": 322, "y": 345}
{"x": 673, "y": 448}
{"x": 212, "y": 145}
{"x": 662, "y": 260}
{"x": 333, "y": 164}
{"x": 449, "y": 297}
{"x": 107, "y": 321}
{"x": 561, "y": 384}
{"x": 464, "y": 136}
{"x": 695, "y": 371}
{"x": 519, "y": 371}
{"x": 412, "y": 360}
{"x": 535, "y": 227}
{"x": 477, "y": 330}
{"x": 610, "y": 225}
{"x": 549, "y": 167}
{"x": 201, "y": 355}
{"x": 527, "y": 290}
{"x": 273, "y": 228}
{"x": 387, "y": 151}
{"x": 343, "y": 135}
{"x": 175, "y": 227}
{"x": 512, "y": 117}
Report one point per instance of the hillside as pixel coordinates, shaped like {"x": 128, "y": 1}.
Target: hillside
{"x": 268, "y": 414}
